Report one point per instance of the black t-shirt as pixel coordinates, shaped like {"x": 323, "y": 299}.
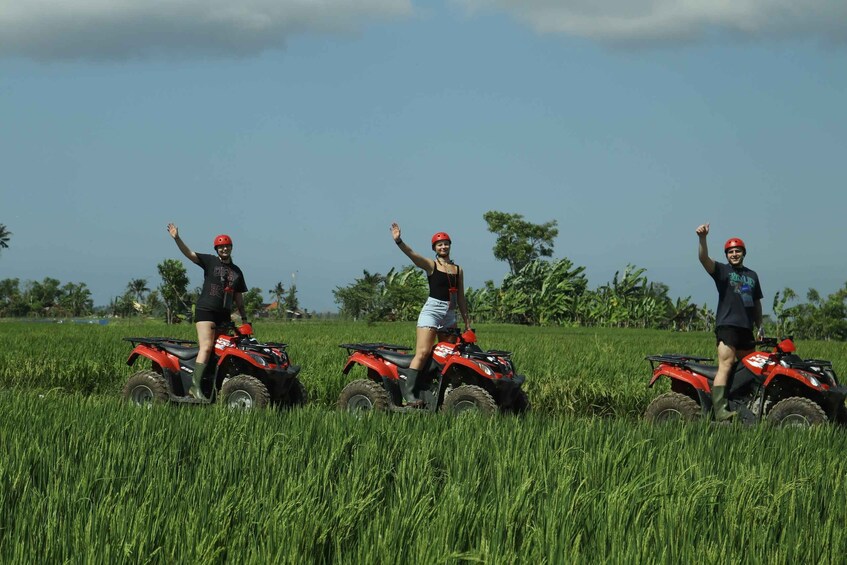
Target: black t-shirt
{"x": 220, "y": 281}
{"x": 738, "y": 290}
{"x": 440, "y": 284}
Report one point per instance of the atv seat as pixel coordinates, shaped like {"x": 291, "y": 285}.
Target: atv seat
{"x": 708, "y": 371}
{"x": 182, "y": 352}
{"x": 402, "y": 360}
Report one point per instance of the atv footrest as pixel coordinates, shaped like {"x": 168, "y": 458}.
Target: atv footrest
{"x": 188, "y": 400}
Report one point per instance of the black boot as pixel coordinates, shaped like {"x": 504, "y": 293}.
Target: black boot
{"x": 196, "y": 379}
{"x": 408, "y": 378}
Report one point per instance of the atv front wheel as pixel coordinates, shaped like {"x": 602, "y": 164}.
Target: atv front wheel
{"x": 244, "y": 392}
{"x": 469, "y": 398}
{"x": 797, "y": 412}
{"x": 363, "y": 395}
{"x": 517, "y": 403}
{"x": 146, "y": 388}
{"x": 672, "y": 406}
{"x": 296, "y": 395}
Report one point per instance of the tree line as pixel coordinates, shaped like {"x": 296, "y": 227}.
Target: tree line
{"x": 171, "y": 301}
{"x": 538, "y": 291}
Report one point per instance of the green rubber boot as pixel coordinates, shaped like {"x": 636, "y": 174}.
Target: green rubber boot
{"x": 196, "y": 379}
{"x": 719, "y": 405}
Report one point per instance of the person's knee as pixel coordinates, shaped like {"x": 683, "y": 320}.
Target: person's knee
{"x": 726, "y": 362}
{"x": 421, "y": 353}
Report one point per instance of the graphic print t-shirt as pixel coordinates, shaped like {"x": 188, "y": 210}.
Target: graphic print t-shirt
{"x": 220, "y": 281}
{"x": 738, "y": 290}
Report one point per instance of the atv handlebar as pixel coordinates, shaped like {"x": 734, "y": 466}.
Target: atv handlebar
{"x": 778, "y": 344}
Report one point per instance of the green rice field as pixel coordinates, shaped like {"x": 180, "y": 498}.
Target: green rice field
{"x": 85, "y": 478}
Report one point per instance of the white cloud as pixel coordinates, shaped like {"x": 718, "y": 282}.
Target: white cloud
{"x": 115, "y": 29}
{"x": 686, "y": 20}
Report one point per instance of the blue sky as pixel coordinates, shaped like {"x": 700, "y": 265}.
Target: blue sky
{"x": 304, "y": 128}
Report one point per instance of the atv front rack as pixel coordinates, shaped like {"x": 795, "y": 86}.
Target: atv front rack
{"x": 260, "y": 345}
{"x": 809, "y": 364}
{"x": 489, "y": 353}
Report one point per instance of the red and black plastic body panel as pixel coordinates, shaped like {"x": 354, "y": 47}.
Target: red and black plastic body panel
{"x": 158, "y": 356}
{"x": 758, "y": 362}
{"x": 372, "y": 363}
{"x": 676, "y": 372}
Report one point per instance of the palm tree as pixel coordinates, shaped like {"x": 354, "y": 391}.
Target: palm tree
{"x": 76, "y": 299}
{"x": 138, "y": 287}
{"x": 278, "y": 291}
{"x": 5, "y": 235}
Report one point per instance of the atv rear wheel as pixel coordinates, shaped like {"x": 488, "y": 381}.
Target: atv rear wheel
{"x": 146, "y": 388}
{"x": 797, "y": 412}
{"x": 244, "y": 392}
{"x": 672, "y": 406}
{"x": 364, "y": 395}
{"x": 469, "y": 398}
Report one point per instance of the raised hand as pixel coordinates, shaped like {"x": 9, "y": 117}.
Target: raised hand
{"x": 395, "y": 231}
{"x": 173, "y": 230}
{"x": 702, "y": 230}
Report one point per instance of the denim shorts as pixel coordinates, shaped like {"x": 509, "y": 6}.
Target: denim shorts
{"x": 437, "y": 314}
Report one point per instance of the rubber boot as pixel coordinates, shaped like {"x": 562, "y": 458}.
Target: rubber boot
{"x": 196, "y": 391}
{"x": 719, "y": 405}
{"x": 408, "y": 378}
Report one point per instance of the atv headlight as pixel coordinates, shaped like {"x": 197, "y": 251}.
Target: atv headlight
{"x": 259, "y": 359}
{"x": 485, "y": 369}
{"x": 812, "y": 378}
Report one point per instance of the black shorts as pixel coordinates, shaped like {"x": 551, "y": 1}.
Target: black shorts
{"x": 733, "y": 336}
{"x": 212, "y": 316}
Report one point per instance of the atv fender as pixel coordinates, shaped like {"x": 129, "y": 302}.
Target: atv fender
{"x": 798, "y": 379}
{"x": 456, "y": 361}
{"x": 231, "y": 352}
{"x": 158, "y": 357}
{"x": 677, "y": 374}
{"x": 372, "y": 364}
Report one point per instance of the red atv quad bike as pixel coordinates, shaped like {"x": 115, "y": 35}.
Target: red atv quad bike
{"x": 458, "y": 377}
{"x": 244, "y": 372}
{"x": 776, "y": 386}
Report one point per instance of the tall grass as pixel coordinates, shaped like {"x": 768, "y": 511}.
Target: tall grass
{"x": 586, "y": 371}
{"x": 88, "y": 479}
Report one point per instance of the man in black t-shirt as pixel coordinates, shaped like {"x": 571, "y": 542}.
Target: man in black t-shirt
{"x": 223, "y": 285}
{"x": 739, "y": 310}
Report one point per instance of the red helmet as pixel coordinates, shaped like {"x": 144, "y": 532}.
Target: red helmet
{"x": 440, "y": 236}
{"x": 734, "y": 242}
{"x": 223, "y": 239}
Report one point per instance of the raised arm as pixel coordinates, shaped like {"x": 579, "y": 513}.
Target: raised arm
{"x": 174, "y": 231}
{"x": 703, "y": 249}
{"x": 424, "y": 263}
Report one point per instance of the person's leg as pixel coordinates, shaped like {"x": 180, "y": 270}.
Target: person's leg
{"x": 205, "y": 340}
{"x": 726, "y": 360}
{"x": 424, "y": 340}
